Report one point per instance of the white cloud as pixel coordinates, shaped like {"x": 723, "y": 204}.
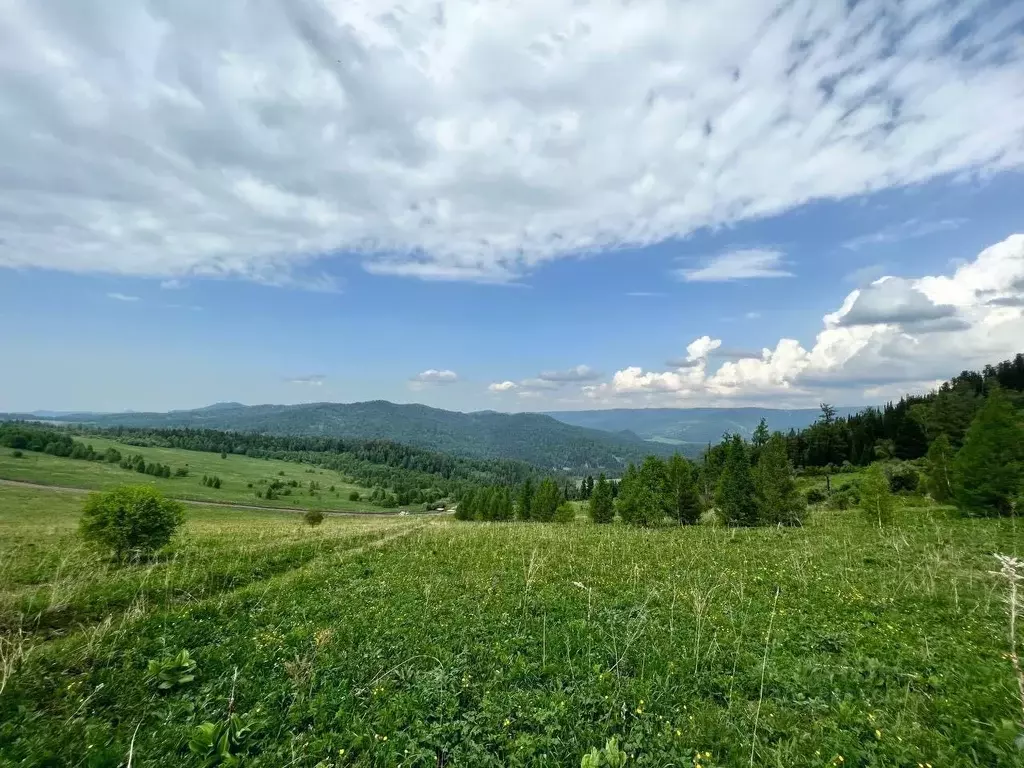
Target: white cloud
{"x": 644, "y": 294}
{"x": 577, "y": 373}
{"x": 893, "y": 336}
{"x": 434, "y": 376}
{"x": 737, "y": 265}
{"x": 313, "y": 380}
{"x": 752, "y": 316}
{"x": 451, "y": 141}
{"x": 907, "y": 230}
{"x": 122, "y": 297}
{"x": 172, "y": 285}
{"x": 502, "y": 386}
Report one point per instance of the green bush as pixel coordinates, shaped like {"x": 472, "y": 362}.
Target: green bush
{"x": 313, "y": 517}
{"x": 353, "y": 496}
{"x": 565, "y": 513}
{"x": 130, "y": 520}
{"x": 903, "y": 478}
{"x": 17, "y": 454}
{"x": 816, "y": 495}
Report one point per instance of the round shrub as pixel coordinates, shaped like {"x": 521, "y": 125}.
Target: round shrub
{"x": 131, "y": 520}
{"x": 313, "y": 517}
{"x": 903, "y": 478}
{"x": 565, "y": 513}
{"x": 17, "y": 454}
{"x": 816, "y": 495}
{"x": 353, "y": 496}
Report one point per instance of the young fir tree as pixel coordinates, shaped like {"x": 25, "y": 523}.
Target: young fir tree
{"x": 465, "y": 509}
{"x": 988, "y": 470}
{"x": 545, "y": 501}
{"x": 643, "y": 493}
{"x": 525, "y": 500}
{"x": 626, "y": 497}
{"x": 683, "y": 497}
{"x": 735, "y": 495}
{"x": 939, "y": 478}
{"x": 602, "y": 507}
{"x": 778, "y": 500}
{"x": 875, "y": 497}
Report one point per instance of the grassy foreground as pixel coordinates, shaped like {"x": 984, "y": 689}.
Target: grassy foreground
{"x": 235, "y": 472}
{"x": 474, "y": 644}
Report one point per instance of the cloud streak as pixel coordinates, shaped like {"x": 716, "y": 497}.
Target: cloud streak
{"x": 737, "y": 265}
{"x": 428, "y": 141}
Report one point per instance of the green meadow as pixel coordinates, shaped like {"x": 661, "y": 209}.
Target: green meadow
{"x": 236, "y": 472}
{"x": 431, "y": 642}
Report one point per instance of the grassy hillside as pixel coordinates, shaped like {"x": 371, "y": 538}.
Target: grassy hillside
{"x": 530, "y": 437}
{"x": 398, "y": 642}
{"x": 236, "y": 474}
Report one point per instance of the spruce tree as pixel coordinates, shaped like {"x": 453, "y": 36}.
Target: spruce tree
{"x": 939, "y": 478}
{"x": 545, "y": 501}
{"x": 875, "y": 496}
{"x": 602, "y": 508}
{"x": 778, "y": 500}
{"x": 988, "y": 470}
{"x": 735, "y": 495}
{"x": 626, "y": 501}
{"x": 525, "y": 502}
{"x": 465, "y": 510}
{"x": 684, "y": 499}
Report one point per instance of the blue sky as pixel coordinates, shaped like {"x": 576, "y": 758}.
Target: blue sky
{"x": 545, "y": 208}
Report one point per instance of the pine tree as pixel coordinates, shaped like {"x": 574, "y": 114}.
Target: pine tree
{"x": 875, "y": 496}
{"x": 778, "y": 500}
{"x": 484, "y": 508}
{"x": 626, "y": 499}
{"x": 602, "y": 508}
{"x": 465, "y": 509}
{"x": 735, "y": 495}
{"x": 939, "y": 479}
{"x": 525, "y": 502}
{"x": 545, "y": 501}
{"x": 988, "y": 470}
{"x": 683, "y": 496}
{"x": 590, "y": 486}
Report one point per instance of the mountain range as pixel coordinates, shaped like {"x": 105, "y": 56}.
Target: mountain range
{"x": 693, "y": 426}
{"x": 565, "y": 440}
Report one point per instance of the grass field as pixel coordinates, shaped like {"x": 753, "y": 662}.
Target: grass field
{"x": 235, "y": 472}
{"x": 398, "y": 642}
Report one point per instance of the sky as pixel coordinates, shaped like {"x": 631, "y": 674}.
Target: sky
{"x": 529, "y": 205}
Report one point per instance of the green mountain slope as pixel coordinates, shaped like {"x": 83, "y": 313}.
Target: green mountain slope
{"x": 535, "y": 438}
{"x": 692, "y": 426}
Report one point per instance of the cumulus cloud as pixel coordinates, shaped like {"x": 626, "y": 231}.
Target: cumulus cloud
{"x": 436, "y": 141}
{"x": 894, "y": 335}
{"x": 434, "y": 376}
{"x": 312, "y": 380}
{"x": 122, "y": 297}
{"x": 737, "y": 265}
{"x": 547, "y": 381}
{"x": 502, "y": 386}
{"x": 893, "y": 300}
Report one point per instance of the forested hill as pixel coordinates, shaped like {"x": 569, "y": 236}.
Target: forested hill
{"x": 693, "y": 427}
{"x": 904, "y": 430}
{"x": 535, "y": 438}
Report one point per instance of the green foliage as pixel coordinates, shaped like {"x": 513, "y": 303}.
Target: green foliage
{"x": 609, "y": 757}
{"x": 602, "y": 506}
{"x": 939, "y": 472}
{"x": 815, "y": 495}
{"x": 735, "y": 498}
{"x": 903, "y": 478}
{"x": 545, "y": 501}
{"x": 17, "y": 453}
{"x": 172, "y": 671}
{"x": 644, "y": 493}
{"x": 313, "y": 517}
{"x": 988, "y": 470}
{"x": 524, "y": 503}
{"x": 130, "y": 519}
{"x": 465, "y": 510}
{"x": 220, "y": 743}
{"x": 565, "y": 513}
{"x": 684, "y": 500}
{"x": 875, "y": 497}
{"x": 776, "y": 495}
